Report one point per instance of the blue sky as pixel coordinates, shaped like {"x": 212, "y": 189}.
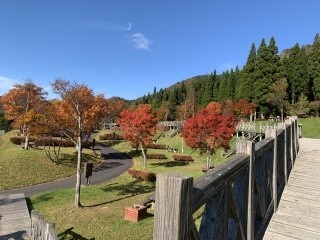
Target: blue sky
{"x": 126, "y": 48}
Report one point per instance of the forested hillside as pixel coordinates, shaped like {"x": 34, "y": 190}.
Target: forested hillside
{"x": 298, "y": 68}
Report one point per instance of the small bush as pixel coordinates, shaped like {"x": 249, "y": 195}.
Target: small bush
{"x": 111, "y": 136}
{"x": 46, "y": 141}
{"x": 183, "y": 158}
{"x": 156, "y": 156}
{"x": 156, "y": 146}
{"x": 142, "y": 175}
{"x": 163, "y": 128}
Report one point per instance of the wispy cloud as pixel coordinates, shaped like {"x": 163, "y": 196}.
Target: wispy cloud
{"x": 6, "y": 84}
{"x": 109, "y": 26}
{"x": 140, "y": 41}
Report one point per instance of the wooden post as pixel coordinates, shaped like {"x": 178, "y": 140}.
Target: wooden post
{"x": 283, "y": 126}
{"x": 250, "y": 217}
{"x": 173, "y": 207}
{"x": 275, "y": 171}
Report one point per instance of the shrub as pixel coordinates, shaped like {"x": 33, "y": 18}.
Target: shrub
{"x": 46, "y": 141}
{"x": 156, "y": 146}
{"x": 111, "y": 136}
{"x": 142, "y": 175}
{"x": 183, "y": 158}
{"x": 163, "y": 128}
{"x": 156, "y": 156}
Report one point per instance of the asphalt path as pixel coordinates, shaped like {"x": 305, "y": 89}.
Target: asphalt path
{"x": 114, "y": 163}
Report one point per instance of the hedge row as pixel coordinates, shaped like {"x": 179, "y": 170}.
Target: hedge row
{"x": 48, "y": 141}
{"x": 156, "y": 156}
{"x": 156, "y": 146}
{"x": 111, "y": 136}
{"x": 183, "y": 158}
{"x": 141, "y": 175}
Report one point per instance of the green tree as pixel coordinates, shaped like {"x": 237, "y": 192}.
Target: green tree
{"x": 268, "y": 70}
{"x": 245, "y": 83}
{"x": 314, "y": 67}
{"x": 297, "y": 75}
{"x": 278, "y": 95}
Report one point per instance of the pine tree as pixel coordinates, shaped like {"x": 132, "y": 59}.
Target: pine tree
{"x": 245, "y": 82}
{"x": 267, "y": 71}
{"x": 314, "y": 68}
{"x": 296, "y": 69}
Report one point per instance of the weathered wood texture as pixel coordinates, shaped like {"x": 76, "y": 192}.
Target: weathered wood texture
{"x": 298, "y": 214}
{"x": 40, "y": 229}
{"x": 14, "y": 217}
{"x": 239, "y": 196}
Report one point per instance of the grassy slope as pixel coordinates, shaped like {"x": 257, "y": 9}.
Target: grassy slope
{"x": 21, "y": 167}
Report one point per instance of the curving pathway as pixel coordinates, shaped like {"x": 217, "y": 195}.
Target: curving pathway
{"x": 114, "y": 163}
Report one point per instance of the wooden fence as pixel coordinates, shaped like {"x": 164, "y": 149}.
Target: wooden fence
{"x": 40, "y": 229}
{"x": 238, "y": 198}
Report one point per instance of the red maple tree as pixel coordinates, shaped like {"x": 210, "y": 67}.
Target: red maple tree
{"x": 209, "y": 130}
{"x": 138, "y": 125}
{"x": 243, "y": 108}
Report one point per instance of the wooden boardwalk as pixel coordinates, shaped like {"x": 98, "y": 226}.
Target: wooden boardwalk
{"x": 14, "y": 217}
{"x": 298, "y": 214}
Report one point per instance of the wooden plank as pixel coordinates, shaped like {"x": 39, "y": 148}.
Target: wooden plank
{"x": 14, "y": 217}
{"x": 288, "y": 230}
{"x": 298, "y": 221}
{"x": 273, "y": 236}
{"x": 287, "y": 207}
{"x": 303, "y": 196}
{"x": 294, "y": 188}
{"x": 304, "y": 201}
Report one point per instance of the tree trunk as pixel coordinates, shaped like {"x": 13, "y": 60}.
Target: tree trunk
{"x": 144, "y": 156}
{"x": 281, "y": 115}
{"x": 78, "y": 184}
{"x": 26, "y": 143}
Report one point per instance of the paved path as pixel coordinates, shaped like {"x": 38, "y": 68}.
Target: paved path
{"x": 298, "y": 214}
{"x": 14, "y": 217}
{"x": 114, "y": 163}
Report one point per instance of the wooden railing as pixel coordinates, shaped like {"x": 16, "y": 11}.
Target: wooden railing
{"x": 238, "y": 198}
{"x": 40, "y": 229}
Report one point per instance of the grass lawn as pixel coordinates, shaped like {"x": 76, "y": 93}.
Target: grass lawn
{"x": 310, "y": 127}
{"x": 21, "y": 167}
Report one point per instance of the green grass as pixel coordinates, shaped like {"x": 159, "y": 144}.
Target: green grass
{"x": 310, "y": 127}
{"x": 21, "y": 167}
{"x": 103, "y": 214}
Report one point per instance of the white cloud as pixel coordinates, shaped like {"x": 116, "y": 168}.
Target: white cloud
{"x": 140, "y": 41}
{"x": 6, "y": 84}
{"x": 103, "y": 25}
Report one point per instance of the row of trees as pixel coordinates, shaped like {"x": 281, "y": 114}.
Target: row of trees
{"x": 74, "y": 116}
{"x": 300, "y": 66}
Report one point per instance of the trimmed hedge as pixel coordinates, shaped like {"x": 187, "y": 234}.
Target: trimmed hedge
{"x": 156, "y": 146}
{"x": 141, "y": 175}
{"x": 45, "y": 141}
{"x": 183, "y": 158}
{"x": 156, "y": 156}
{"x": 111, "y": 136}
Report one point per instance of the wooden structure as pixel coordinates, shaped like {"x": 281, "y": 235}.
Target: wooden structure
{"x": 298, "y": 214}
{"x": 239, "y": 197}
{"x": 14, "y": 217}
{"x": 40, "y": 229}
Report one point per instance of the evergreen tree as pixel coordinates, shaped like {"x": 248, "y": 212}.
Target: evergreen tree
{"x": 267, "y": 70}
{"x": 314, "y": 68}
{"x": 296, "y": 69}
{"x": 245, "y": 83}
{"x": 208, "y": 90}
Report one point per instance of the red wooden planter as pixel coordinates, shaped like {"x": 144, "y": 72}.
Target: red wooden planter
{"x": 135, "y": 213}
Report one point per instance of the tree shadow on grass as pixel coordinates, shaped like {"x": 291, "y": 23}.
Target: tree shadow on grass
{"x": 70, "y": 234}
{"x": 127, "y": 190}
{"x": 70, "y": 160}
{"x": 170, "y": 164}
